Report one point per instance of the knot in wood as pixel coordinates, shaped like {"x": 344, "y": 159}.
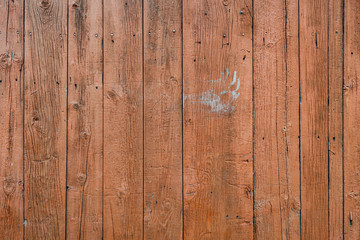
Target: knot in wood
{"x": 81, "y": 178}
{"x": 5, "y": 60}
{"x": 9, "y": 185}
{"x": 76, "y": 106}
{"x": 45, "y": 4}
{"x": 75, "y": 5}
{"x": 84, "y": 134}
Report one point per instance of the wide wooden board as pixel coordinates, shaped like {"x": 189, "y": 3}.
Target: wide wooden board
{"x": 314, "y": 116}
{"x": 123, "y": 120}
{"x": 218, "y": 115}
{"x": 11, "y": 119}
{"x": 276, "y": 129}
{"x": 45, "y": 119}
{"x": 351, "y": 120}
{"x": 85, "y": 121}
{"x": 162, "y": 120}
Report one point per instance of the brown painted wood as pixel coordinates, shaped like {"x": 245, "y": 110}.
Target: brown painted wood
{"x": 335, "y": 54}
{"x": 11, "y": 119}
{"x": 85, "y": 121}
{"x": 142, "y": 120}
{"x": 218, "y": 116}
{"x": 123, "y": 120}
{"x": 351, "y": 120}
{"x": 314, "y": 118}
{"x": 162, "y": 120}
{"x": 45, "y": 119}
{"x": 276, "y": 101}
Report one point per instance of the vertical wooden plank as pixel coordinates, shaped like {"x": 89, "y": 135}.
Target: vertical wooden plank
{"x": 123, "y": 120}
{"x": 218, "y": 116}
{"x": 85, "y": 121}
{"x": 45, "y": 119}
{"x": 11, "y": 119}
{"x": 163, "y": 120}
{"x": 276, "y": 99}
{"x": 352, "y": 120}
{"x": 335, "y": 16}
{"x": 314, "y": 118}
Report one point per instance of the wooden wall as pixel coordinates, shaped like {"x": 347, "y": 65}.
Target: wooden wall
{"x": 155, "y": 119}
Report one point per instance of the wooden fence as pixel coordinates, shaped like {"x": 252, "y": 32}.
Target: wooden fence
{"x": 180, "y": 119}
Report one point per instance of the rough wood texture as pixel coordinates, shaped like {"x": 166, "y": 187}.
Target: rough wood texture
{"x": 45, "y": 119}
{"x": 154, "y": 119}
{"x": 314, "y": 118}
{"x": 11, "y": 119}
{"x": 218, "y": 120}
{"x": 276, "y": 99}
{"x": 335, "y": 54}
{"x": 352, "y": 120}
{"x": 123, "y": 120}
{"x": 163, "y": 120}
{"x": 85, "y": 121}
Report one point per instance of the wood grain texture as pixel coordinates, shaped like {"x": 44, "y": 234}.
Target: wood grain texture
{"x": 276, "y": 99}
{"x": 162, "y": 120}
{"x": 11, "y": 119}
{"x": 154, "y": 119}
{"x": 218, "y": 120}
{"x": 45, "y": 119}
{"x": 314, "y": 118}
{"x": 352, "y": 120}
{"x": 123, "y": 120}
{"x": 335, "y": 55}
{"x": 85, "y": 121}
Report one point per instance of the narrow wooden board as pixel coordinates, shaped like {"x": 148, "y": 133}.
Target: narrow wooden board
{"x": 85, "y": 121}
{"x": 163, "y": 120}
{"x": 314, "y": 118}
{"x": 335, "y": 119}
{"x": 276, "y": 101}
{"x": 11, "y": 119}
{"x": 352, "y": 120}
{"x": 123, "y": 120}
{"x": 218, "y": 115}
{"x": 45, "y": 119}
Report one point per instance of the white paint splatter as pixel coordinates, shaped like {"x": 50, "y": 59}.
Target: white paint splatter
{"x": 221, "y": 100}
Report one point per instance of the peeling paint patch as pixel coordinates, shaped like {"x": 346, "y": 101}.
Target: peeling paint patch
{"x": 221, "y": 98}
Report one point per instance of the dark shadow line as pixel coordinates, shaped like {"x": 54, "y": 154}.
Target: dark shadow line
{"x": 253, "y": 117}
{"x": 182, "y": 119}
{"x": 143, "y": 118}
{"x": 103, "y": 117}
{"x": 299, "y": 117}
{"x": 67, "y": 116}
{"x": 328, "y": 116}
{"x": 23, "y": 119}
{"x": 342, "y": 118}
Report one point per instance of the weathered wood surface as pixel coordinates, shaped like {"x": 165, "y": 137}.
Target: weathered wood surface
{"x": 11, "y": 119}
{"x": 123, "y": 120}
{"x": 335, "y": 157}
{"x": 351, "y": 92}
{"x": 314, "y": 116}
{"x": 179, "y": 119}
{"x": 85, "y": 121}
{"x": 276, "y": 104}
{"x": 45, "y": 119}
{"x": 218, "y": 166}
{"x": 162, "y": 120}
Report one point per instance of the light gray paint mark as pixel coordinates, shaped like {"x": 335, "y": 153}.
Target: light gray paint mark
{"x": 220, "y": 101}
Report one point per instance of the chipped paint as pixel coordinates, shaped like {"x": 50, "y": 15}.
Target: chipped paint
{"x": 220, "y": 101}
